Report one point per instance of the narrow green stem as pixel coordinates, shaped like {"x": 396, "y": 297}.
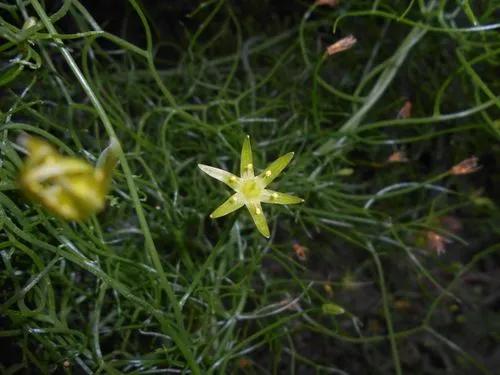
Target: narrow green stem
{"x": 387, "y": 313}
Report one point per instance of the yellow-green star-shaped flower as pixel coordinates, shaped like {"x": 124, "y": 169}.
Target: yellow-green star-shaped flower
{"x": 250, "y": 190}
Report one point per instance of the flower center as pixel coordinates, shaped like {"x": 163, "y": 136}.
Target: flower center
{"x": 250, "y": 189}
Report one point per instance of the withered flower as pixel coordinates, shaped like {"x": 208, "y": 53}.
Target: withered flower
{"x": 451, "y": 223}
{"x": 300, "y": 251}
{"x": 341, "y": 45}
{"x": 397, "y": 157}
{"x": 330, "y": 3}
{"x": 466, "y": 166}
{"x": 436, "y": 242}
{"x": 405, "y": 111}
{"x": 244, "y": 363}
{"x": 402, "y": 305}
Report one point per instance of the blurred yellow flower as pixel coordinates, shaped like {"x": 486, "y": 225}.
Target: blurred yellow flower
{"x": 67, "y": 186}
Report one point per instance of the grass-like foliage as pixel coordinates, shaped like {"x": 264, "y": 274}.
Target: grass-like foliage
{"x": 390, "y": 265}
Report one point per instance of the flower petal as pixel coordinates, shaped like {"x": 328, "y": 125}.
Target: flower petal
{"x": 246, "y": 164}
{"x": 37, "y": 148}
{"x": 270, "y": 196}
{"x": 219, "y": 174}
{"x": 232, "y": 204}
{"x": 275, "y": 168}
{"x": 60, "y": 167}
{"x": 258, "y": 218}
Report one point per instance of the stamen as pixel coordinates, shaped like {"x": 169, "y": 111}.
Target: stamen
{"x": 232, "y": 179}
{"x": 234, "y": 199}
{"x": 268, "y": 173}
{"x": 257, "y": 211}
{"x": 249, "y": 166}
{"x": 274, "y": 196}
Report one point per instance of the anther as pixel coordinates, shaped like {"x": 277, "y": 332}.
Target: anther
{"x": 249, "y": 166}
{"x": 268, "y": 173}
{"x": 232, "y": 179}
{"x": 258, "y": 211}
{"x": 234, "y": 199}
{"x": 274, "y": 196}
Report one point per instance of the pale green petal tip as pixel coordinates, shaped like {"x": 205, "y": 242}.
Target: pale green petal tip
{"x": 246, "y": 163}
{"x": 204, "y": 168}
{"x": 275, "y": 197}
{"x": 276, "y": 167}
{"x": 230, "y": 205}
{"x": 246, "y": 149}
{"x": 299, "y": 201}
{"x": 259, "y": 219}
{"x": 217, "y": 173}
{"x": 295, "y": 200}
{"x": 264, "y": 230}
{"x": 201, "y": 166}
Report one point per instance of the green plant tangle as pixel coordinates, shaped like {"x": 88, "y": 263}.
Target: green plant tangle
{"x": 391, "y": 264}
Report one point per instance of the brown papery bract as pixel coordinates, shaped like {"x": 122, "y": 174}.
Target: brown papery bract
{"x": 330, "y": 3}
{"x": 397, "y": 157}
{"x": 405, "y": 111}
{"x": 341, "y": 45}
{"x": 436, "y": 242}
{"x": 466, "y": 166}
